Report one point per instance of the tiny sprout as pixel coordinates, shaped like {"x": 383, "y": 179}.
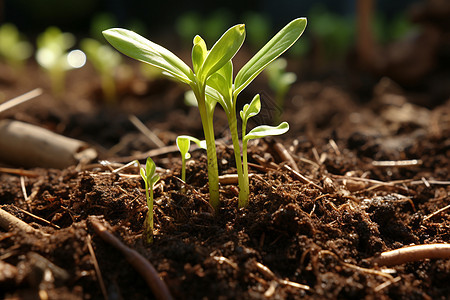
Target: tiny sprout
{"x": 280, "y": 81}
{"x": 53, "y": 56}
{"x": 105, "y": 60}
{"x": 183, "y": 144}
{"x": 246, "y": 113}
{"x": 13, "y": 48}
{"x": 150, "y": 178}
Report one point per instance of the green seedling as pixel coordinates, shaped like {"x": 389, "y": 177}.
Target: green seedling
{"x": 280, "y": 81}
{"x": 54, "y": 56}
{"x": 246, "y": 113}
{"x": 222, "y": 89}
{"x": 105, "y": 60}
{"x": 14, "y": 49}
{"x": 184, "y": 144}
{"x": 211, "y": 80}
{"x": 150, "y": 178}
{"x": 205, "y": 63}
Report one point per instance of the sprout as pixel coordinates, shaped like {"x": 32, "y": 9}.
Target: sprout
{"x": 105, "y": 60}
{"x": 13, "y": 47}
{"x": 53, "y": 56}
{"x": 183, "y": 144}
{"x": 150, "y": 178}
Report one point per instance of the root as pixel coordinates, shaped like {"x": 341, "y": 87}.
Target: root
{"x": 413, "y": 253}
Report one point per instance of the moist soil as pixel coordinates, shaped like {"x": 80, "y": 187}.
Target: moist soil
{"x": 372, "y": 170}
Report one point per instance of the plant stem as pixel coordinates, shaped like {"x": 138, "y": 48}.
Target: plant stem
{"x": 183, "y": 173}
{"x": 243, "y": 189}
{"x": 148, "y": 231}
{"x": 244, "y": 203}
{"x": 208, "y": 130}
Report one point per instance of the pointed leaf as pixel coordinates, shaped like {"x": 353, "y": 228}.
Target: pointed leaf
{"x": 282, "y": 41}
{"x": 222, "y": 51}
{"x": 265, "y": 130}
{"x": 138, "y": 47}
{"x": 251, "y": 109}
{"x": 199, "y": 52}
{"x": 150, "y": 167}
{"x": 153, "y": 180}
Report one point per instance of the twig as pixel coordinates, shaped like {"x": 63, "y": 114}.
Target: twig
{"x": 302, "y": 178}
{"x": 335, "y": 147}
{"x": 436, "y": 212}
{"x": 285, "y": 155}
{"x": 365, "y": 270}
{"x": 413, "y": 253}
{"x": 146, "y": 131}
{"x": 8, "y": 222}
{"x": 231, "y": 178}
{"x": 398, "y": 163}
{"x": 140, "y": 264}
{"x": 268, "y": 273}
{"x": 97, "y": 267}
{"x": 37, "y": 217}
{"x": 20, "y": 99}
{"x": 20, "y": 172}
{"x": 387, "y": 283}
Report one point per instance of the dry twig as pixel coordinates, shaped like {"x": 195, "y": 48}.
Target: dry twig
{"x": 8, "y": 222}
{"x": 436, "y": 212}
{"x": 140, "y": 264}
{"x": 97, "y": 267}
{"x": 20, "y": 99}
{"x": 302, "y": 178}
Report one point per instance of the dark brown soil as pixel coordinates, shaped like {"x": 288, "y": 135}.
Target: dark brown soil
{"x": 322, "y": 235}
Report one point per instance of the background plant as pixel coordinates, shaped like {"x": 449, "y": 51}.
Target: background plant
{"x": 105, "y": 60}
{"x": 280, "y": 82}
{"x": 150, "y": 178}
{"x": 14, "y": 49}
{"x": 205, "y": 63}
{"x": 53, "y": 55}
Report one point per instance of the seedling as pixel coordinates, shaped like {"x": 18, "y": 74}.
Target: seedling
{"x": 53, "y": 56}
{"x": 205, "y": 63}
{"x": 105, "y": 60}
{"x": 211, "y": 80}
{"x": 183, "y": 144}
{"x": 14, "y": 49}
{"x": 222, "y": 89}
{"x": 150, "y": 178}
{"x": 280, "y": 81}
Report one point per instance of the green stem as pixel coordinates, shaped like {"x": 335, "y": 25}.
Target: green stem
{"x": 245, "y": 166}
{"x": 148, "y": 230}
{"x": 183, "y": 173}
{"x": 208, "y": 130}
{"x": 243, "y": 189}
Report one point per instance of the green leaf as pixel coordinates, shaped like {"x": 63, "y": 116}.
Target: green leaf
{"x": 199, "y": 52}
{"x": 222, "y": 51}
{"x": 252, "y": 109}
{"x": 183, "y": 145}
{"x": 213, "y": 96}
{"x": 150, "y": 168}
{"x": 154, "y": 179}
{"x": 143, "y": 175}
{"x": 282, "y": 41}
{"x": 138, "y": 47}
{"x": 265, "y": 130}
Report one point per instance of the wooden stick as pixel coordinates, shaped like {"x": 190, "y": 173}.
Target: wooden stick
{"x": 413, "y": 253}
{"x": 20, "y": 99}
{"x": 436, "y": 212}
{"x": 9, "y": 222}
{"x": 28, "y": 145}
{"x": 153, "y": 138}
{"x": 140, "y": 264}
{"x": 97, "y": 267}
{"x": 302, "y": 178}
{"x": 285, "y": 155}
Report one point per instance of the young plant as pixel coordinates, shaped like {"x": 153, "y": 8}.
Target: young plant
{"x": 246, "y": 113}
{"x": 150, "y": 178}
{"x": 280, "y": 81}
{"x": 222, "y": 89}
{"x": 14, "y": 49}
{"x": 183, "y": 144}
{"x": 53, "y": 56}
{"x": 105, "y": 60}
{"x": 205, "y": 63}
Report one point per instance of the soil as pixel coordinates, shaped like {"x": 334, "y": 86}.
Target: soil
{"x": 376, "y": 170}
